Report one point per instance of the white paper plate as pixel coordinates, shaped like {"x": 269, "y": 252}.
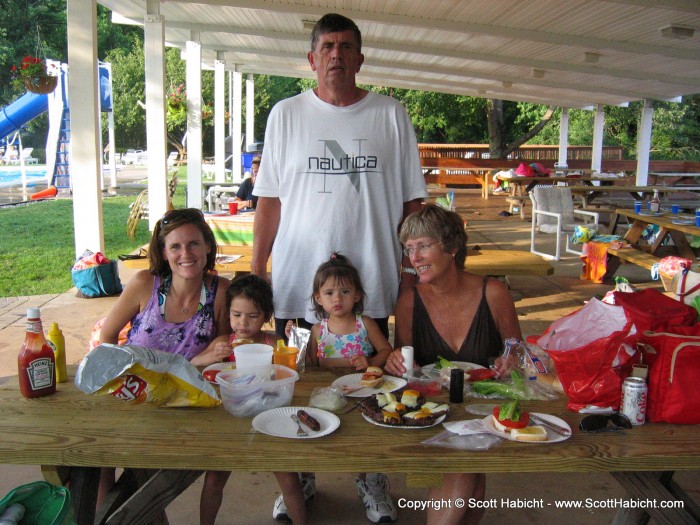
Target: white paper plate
{"x": 685, "y": 222}
{"x": 229, "y": 365}
{"x": 652, "y": 213}
{"x": 277, "y": 422}
{"x": 390, "y": 384}
{"x": 457, "y": 364}
{"x": 552, "y": 437}
{"x": 405, "y": 427}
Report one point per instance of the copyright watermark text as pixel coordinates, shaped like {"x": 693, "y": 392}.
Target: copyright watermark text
{"x": 535, "y": 503}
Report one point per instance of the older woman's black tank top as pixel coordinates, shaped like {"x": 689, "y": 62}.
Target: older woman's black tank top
{"x": 482, "y": 342}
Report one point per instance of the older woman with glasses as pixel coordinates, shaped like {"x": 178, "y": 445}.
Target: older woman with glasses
{"x": 451, "y": 314}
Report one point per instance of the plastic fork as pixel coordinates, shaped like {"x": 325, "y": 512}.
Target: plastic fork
{"x": 300, "y": 431}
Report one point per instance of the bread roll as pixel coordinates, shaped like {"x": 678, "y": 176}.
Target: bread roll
{"x": 533, "y": 433}
{"x": 373, "y": 377}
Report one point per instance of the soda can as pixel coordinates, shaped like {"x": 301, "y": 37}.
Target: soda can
{"x": 633, "y": 402}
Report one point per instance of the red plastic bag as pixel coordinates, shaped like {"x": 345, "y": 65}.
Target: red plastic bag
{"x": 593, "y": 350}
{"x": 674, "y": 373}
{"x": 651, "y": 310}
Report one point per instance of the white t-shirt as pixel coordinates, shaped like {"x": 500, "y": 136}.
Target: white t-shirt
{"x": 342, "y": 175}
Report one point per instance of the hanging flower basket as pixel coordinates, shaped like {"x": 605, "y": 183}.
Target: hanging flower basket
{"x": 32, "y": 74}
{"x": 42, "y": 84}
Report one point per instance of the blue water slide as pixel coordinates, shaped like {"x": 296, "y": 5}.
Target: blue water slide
{"x": 21, "y": 111}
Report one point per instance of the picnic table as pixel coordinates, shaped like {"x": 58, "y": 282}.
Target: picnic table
{"x": 232, "y": 230}
{"x": 524, "y": 185}
{"x": 591, "y": 193}
{"x": 164, "y": 451}
{"x": 676, "y": 227}
{"x": 677, "y": 177}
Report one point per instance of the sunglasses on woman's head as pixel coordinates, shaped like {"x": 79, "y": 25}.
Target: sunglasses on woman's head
{"x": 188, "y": 214}
{"x": 605, "y": 423}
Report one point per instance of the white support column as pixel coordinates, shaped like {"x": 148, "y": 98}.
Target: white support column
{"x": 249, "y": 110}
{"x": 644, "y": 142}
{"x": 219, "y": 123}
{"x": 230, "y": 102}
{"x": 194, "y": 121}
{"x": 86, "y": 157}
{"x": 237, "y": 123}
{"x": 156, "y": 131}
{"x": 597, "y": 146}
{"x": 563, "y": 137}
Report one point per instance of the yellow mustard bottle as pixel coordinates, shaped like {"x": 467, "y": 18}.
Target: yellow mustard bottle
{"x": 58, "y": 344}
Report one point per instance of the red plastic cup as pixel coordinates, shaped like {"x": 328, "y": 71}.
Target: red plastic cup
{"x": 232, "y": 208}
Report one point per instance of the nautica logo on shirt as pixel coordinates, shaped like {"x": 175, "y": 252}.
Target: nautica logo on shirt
{"x": 335, "y": 161}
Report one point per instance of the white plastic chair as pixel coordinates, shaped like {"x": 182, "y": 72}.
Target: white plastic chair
{"x": 553, "y": 212}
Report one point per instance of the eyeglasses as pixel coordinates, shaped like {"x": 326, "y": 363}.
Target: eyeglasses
{"x": 421, "y": 249}
{"x": 599, "y": 423}
{"x": 188, "y": 214}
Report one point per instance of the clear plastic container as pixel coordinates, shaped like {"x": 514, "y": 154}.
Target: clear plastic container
{"x": 250, "y": 391}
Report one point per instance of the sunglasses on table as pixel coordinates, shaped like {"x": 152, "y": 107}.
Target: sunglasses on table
{"x": 605, "y": 423}
{"x": 187, "y": 214}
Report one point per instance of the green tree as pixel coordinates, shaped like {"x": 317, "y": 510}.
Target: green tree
{"x": 268, "y": 91}
{"x": 128, "y": 78}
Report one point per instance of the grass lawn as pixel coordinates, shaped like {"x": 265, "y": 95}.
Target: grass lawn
{"x": 37, "y": 243}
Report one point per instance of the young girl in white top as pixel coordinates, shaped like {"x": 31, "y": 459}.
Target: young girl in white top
{"x": 343, "y": 338}
{"x": 250, "y": 306}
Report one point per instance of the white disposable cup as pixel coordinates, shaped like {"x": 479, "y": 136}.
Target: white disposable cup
{"x": 253, "y": 356}
{"x": 408, "y": 362}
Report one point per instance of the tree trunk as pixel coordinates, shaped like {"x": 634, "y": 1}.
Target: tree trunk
{"x": 499, "y": 148}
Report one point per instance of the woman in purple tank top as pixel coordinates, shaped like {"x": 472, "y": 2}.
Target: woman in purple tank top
{"x": 452, "y": 314}
{"x": 178, "y": 305}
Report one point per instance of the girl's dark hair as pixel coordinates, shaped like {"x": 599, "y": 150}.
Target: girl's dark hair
{"x": 335, "y": 23}
{"x": 436, "y": 222}
{"x": 256, "y": 289}
{"x": 171, "y": 221}
{"x": 339, "y": 268}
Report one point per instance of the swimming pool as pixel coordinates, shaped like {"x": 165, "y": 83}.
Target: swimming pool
{"x": 12, "y": 176}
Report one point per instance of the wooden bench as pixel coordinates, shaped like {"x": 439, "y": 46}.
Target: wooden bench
{"x": 635, "y": 256}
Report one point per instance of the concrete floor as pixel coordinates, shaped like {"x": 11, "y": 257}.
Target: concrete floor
{"x": 249, "y": 496}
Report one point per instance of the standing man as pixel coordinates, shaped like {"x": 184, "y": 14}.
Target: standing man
{"x": 339, "y": 173}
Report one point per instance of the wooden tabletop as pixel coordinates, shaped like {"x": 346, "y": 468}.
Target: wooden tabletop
{"x": 163, "y": 451}
{"x": 73, "y": 428}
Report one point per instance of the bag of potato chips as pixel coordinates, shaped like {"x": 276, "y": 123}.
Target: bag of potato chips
{"x": 144, "y": 375}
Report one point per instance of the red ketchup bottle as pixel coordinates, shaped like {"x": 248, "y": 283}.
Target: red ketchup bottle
{"x": 36, "y": 361}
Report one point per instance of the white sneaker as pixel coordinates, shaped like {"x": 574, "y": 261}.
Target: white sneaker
{"x": 308, "y": 485}
{"x": 374, "y": 492}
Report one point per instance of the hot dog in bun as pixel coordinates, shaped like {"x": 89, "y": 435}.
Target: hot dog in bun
{"x": 373, "y": 377}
